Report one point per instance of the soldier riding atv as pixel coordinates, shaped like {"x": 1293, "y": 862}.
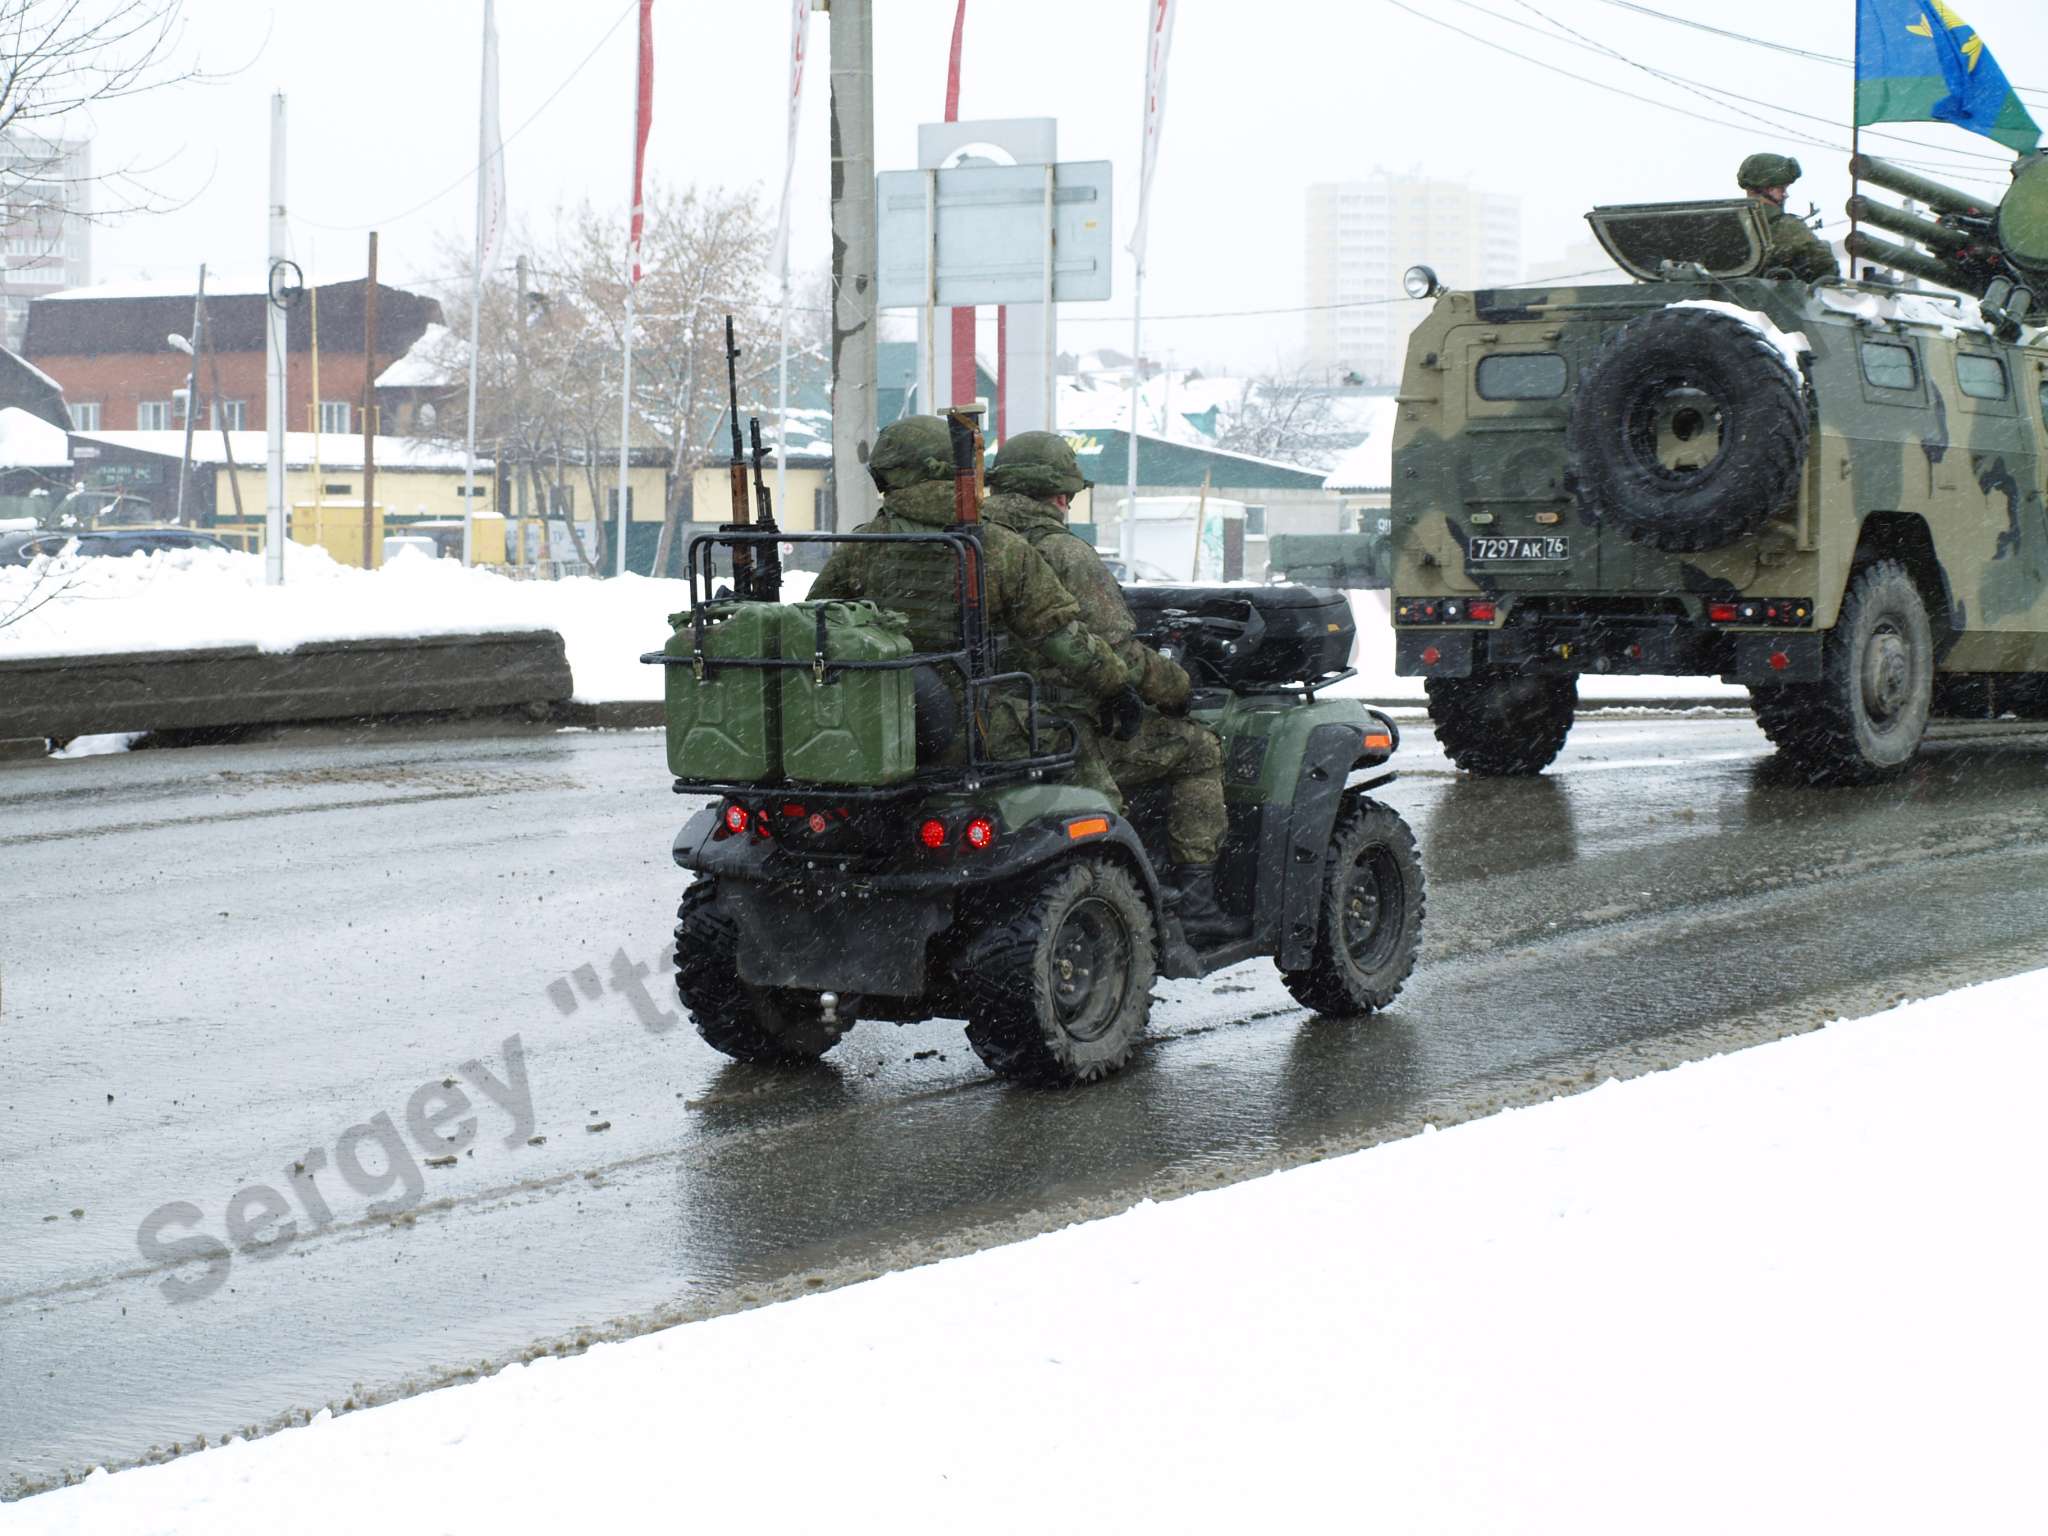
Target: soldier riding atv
{"x": 868, "y": 852}
{"x": 1831, "y": 491}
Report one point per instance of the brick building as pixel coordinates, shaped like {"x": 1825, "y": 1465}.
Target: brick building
{"x": 109, "y": 348}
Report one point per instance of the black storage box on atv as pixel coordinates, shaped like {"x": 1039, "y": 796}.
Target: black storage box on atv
{"x": 1293, "y": 633}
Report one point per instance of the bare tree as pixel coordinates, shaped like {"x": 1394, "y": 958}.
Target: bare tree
{"x": 1286, "y": 415}
{"x": 59, "y": 58}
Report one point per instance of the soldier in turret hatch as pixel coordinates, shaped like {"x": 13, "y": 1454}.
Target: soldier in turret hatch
{"x": 1768, "y": 178}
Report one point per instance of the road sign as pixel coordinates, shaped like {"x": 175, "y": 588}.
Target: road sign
{"x": 990, "y": 246}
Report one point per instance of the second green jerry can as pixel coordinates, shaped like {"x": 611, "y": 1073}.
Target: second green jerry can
{"x": 852, "y": 727}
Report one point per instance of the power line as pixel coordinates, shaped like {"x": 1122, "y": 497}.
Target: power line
{"x": 1709, "y": 92}
{"x": 1762, "y": 42}
{"x": 353, "y": 229}
{"x": 1602, "y": 85}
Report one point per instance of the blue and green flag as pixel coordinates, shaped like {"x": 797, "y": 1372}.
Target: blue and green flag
{"x": 1917, "y": 61}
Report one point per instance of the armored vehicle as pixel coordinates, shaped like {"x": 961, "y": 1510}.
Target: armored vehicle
{"x": 1829, "y": 492}
{"x": 860, "y": 856}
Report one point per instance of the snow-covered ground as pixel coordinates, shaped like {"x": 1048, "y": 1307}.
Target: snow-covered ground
{"x": 205, "y": 597}
{"x": 212, "y": 597}
{"x": 1794, "y": 1289}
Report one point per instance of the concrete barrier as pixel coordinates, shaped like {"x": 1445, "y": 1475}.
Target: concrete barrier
{"x": 239, "y": 685}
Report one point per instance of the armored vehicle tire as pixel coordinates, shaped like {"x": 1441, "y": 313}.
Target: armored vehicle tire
{"x": 1059, "y": 982}
{"x": 1866, "y": 716}
{"x": 1675, "y": 387}
{"x": 1502, "y": 724}
{"x": 747, "y": 1023}
{"x": 1369, "y": 920}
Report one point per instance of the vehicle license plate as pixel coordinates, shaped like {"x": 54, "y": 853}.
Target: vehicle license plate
{"x": 1552, "y": 546}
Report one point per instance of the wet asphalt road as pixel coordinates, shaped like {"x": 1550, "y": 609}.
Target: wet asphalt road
{"x": 218, "y": 963}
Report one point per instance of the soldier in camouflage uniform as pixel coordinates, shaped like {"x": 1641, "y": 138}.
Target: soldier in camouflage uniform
{"x": 912, "y": 463}
{"x": 1034, "y": 477}
{"x": 1768, "y": 178}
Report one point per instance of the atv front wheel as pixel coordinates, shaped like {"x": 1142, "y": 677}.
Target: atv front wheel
{"x": 1866, "y": 716}
{"x": 746, "y": 1022}
{"x": 1502, "y": 724}
{"x": 1059, "y": 984}
{"x": 1369, "y": 920}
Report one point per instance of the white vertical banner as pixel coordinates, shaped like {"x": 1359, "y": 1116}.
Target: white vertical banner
{"x": 799, "y": 48}
{"x": 1158, "y": 43}
{"x": 490, "y": 234}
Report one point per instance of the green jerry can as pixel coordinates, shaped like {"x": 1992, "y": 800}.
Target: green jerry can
{"x": 722, "y": 726}
{"x": 858, "y": 727}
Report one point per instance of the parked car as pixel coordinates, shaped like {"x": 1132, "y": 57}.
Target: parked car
{"x": 20, "y": 549}
{"x": 1146, "y": 571}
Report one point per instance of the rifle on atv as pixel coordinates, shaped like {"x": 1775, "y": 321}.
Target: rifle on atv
{"x": 756, "y": 565}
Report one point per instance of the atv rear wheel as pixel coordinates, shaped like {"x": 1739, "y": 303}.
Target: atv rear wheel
{"x": 1500, "y": 723}
{"x": 1865, "y": 718}
{"x": 1369, "y": 919}
{"x": 746, "y": 1022}
{"x": 1059, "y": 983}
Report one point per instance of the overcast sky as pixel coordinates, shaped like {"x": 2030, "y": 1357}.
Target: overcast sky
{"x": 1266, "y": 97}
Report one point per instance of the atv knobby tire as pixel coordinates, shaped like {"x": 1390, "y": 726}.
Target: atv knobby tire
{"x": 1864, "y": 719}
{"x": 1502, "y": 724}
{"x": 746, "y": 1022}
{"x": 1687, "y": 431}
{"x": 1059, "y": 982}
{"x": 1369, "y": 918}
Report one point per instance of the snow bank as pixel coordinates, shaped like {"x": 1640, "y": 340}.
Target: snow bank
{"x": 1780, "y": 1290}
{"x": 185, "y": 598}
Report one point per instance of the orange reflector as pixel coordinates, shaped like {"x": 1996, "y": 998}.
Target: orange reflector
{"x": 1378, "y": 741}
{"x": 1093, "y": 826}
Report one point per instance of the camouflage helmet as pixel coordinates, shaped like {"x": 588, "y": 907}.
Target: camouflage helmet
{"x": 1038, "y": 464}
{"x": 910, "y": 451}
{"x": 1766, "y": 171}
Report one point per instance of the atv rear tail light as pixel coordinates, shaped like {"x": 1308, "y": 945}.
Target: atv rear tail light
{"x": 1480, "y": 613}
{"x": 980, "y": 833}
{"x": 932, "y": 833}
{"x": 735, "y": 818}
{"x": 818, "y": 821}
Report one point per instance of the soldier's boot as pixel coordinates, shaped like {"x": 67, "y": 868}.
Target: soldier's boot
{"x": 1205, "y": 923}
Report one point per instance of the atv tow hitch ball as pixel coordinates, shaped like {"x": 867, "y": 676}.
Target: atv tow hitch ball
{"x": 828, "y": 1007}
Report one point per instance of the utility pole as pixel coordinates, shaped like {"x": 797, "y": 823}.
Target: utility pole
{"x": 273, "y": 357}
{"x": 853, "y": 259}
{"x": 191, "y": 392}
{"x": 227, "y": 447}
{"x": 370, "y": 408}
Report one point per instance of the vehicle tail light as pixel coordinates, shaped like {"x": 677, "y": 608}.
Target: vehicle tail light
{"x": 1480, "y": 613}
{"x": 932, "y": 833}
{"x": 980, "y": 833}
{"x": 818, "y": 821}
{"x": 735, "y": 818}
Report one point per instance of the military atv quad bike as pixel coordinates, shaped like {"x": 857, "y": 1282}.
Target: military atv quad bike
{"x": 1832, "y": 493}
{"x": 845, "y": 872}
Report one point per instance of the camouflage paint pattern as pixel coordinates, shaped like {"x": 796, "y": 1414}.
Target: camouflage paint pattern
{"x": 1178, "y": 752}
{"x": 1945, "y": 478}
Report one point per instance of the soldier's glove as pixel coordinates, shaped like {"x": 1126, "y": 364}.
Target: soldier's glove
{"x": 1123, "y": 714}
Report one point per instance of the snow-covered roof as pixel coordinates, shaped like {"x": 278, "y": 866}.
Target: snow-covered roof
{"x": 336, "y": 450}
{"x": 424, "y": 365}
{"x": 1369, "y": 464}
{"x": 219, "y": 285}
{"x": 29, "y": 442}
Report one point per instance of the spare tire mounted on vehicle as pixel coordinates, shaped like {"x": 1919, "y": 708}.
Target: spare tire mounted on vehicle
{"x": 1687, "y": 431}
